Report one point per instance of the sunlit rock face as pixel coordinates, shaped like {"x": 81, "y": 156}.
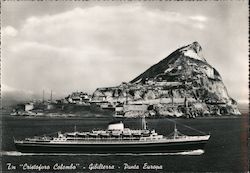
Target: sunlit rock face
{"x": 181, "y": 85}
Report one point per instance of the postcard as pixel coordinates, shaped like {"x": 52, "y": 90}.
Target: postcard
{"x": 124, "y": 86}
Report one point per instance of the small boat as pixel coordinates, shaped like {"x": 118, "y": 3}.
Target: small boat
{"x": 83, "y": 134}
{"x": 93, "y": 134}
{"x": 127, "y": 133}
{"x": 73, "y": 134}
{"x": 116, "y": 133}
{"x": 105, "y": 134}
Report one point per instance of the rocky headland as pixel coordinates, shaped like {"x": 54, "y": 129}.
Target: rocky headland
{"x": 183, "y": 84}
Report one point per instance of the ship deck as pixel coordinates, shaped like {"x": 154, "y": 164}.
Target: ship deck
{"x": 118, "y": 140}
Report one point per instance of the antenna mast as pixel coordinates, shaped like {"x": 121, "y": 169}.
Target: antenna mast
{"x": 43, "y": 96}
{"x": 51, "y": 96}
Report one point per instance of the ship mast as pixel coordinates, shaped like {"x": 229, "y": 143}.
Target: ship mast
{"x": 175, "y": 131}
{"x": 144, "y": 123}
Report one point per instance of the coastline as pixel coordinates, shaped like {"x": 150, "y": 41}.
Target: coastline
{"x": 90, "y": 115}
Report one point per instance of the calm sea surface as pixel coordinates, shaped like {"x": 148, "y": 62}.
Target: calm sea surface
{"x": 226, "y": 150}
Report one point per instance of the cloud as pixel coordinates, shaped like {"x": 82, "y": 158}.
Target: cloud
{"x": 10, "y": 89}
{"x": 102, "y": 25}
{"x": 9, "y": 31}
{"x": 6, "y": 88}
{"x": 86, "y": 48}
{"x": 199, "y": 26}
{"x": 198, "y": 18}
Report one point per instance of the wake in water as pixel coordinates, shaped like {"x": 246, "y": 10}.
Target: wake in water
{"x": 16, "y": 153}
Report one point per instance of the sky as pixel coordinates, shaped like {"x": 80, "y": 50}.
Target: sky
{"x": 80, "y": 46}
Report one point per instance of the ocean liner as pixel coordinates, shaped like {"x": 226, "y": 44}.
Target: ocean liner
{"x": 115, "y": 139}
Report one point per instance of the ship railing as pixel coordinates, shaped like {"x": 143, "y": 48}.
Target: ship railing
{"x": 115, "y": 139}
{"x": 177, "y": 138}
{"x": 111, "y": 138}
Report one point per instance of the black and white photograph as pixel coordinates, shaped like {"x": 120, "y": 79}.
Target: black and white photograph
{"x": 124, "y": 86}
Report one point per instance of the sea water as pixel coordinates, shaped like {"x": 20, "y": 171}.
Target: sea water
{"x": 225, "y": 151}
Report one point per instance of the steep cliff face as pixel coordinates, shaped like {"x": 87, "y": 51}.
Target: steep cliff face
{"x": 183, "y": 62}
{"x": 182, "y": 84}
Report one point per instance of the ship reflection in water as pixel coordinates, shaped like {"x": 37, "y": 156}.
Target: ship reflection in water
{"x": 114, "y": 140}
